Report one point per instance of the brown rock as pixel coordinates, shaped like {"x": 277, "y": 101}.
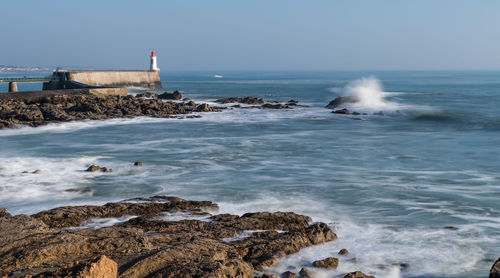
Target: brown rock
{"x": 265, "y": 275}
{"x": 329, "y": 263}
{"x": 102, "y": 267}
{"x": 357, "y": 274}
{"x": 343, "y": 252}
{"x": 137, "y": 163}
{"x": 245, "y": 100}
{"x": 273, "y": 106}
{"x": 288, "y": 274}
{"x": 306, "y": 273}
{"x": 4, "y": 213}
{"x": 93, "y": 168}
{"x": 203, "y": 108}
{"x": 176, "y": 95}
{"x": 495, "y": 270}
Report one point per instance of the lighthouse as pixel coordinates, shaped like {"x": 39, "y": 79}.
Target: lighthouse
{"x": 154, "y": 66}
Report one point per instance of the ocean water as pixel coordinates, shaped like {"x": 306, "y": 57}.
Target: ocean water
{"x": 387, "y": 184}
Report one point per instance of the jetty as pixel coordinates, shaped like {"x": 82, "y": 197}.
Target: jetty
{"x": 97, "y": 82}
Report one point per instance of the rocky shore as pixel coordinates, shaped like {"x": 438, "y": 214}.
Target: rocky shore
{"x": 63, "y": 108}
{"x": 159, "y": 236}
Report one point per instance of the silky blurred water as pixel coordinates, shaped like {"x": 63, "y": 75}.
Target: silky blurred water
{"x": 387, "y": 184}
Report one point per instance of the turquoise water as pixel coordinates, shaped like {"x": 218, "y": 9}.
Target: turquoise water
{"x": 388, "y": 184}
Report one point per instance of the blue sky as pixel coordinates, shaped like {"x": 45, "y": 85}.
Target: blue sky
{"x": 253, "y": 35}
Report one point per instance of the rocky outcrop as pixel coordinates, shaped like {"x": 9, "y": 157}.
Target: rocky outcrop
{"x": 339, "y": 101}
{"x": 176, "y": 95}
{"x": 95, "y": 168}
{"x": 55, "y": 243}
{"x": 61, "y": 108}
{"x": 245, "y": 100}
{"x": 495, "y": 269}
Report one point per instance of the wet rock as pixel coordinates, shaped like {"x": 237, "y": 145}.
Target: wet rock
{"x": 138, "y": 163}
{"x": 339, "y": 101}
{"x": 343, "y": 252}
{"x": 36, "y": 171}
{"x": 306, "y": 273}
{"x": 273, "y": 106}
{"x": 4, "y": 213}
{"x": 95, "y": 168}
{"x": 176, "y": 95}
{"x": 292, "y": 102}
{"x": 147, "y": 95}
{"x": 495, "y": 270}
{"x": 288, "y": 274}
{"x": 344, "y": 111}
{"x": 265, "y": 275}
{"x": 451, "y": 228}
{"x": 203, "y": 108}
{"x": 357, "y": 274}
{"x": 329, "y": 263}
{"x": 245, "y": 100}
{"x": 149, "y": 245}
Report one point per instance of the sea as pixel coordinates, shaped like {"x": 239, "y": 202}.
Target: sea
{"x": 413, "y": 191}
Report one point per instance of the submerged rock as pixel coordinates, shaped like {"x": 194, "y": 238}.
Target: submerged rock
{"x": 306, "y": 273}
{"x": 344, "y": 111}
{"x": 339, "y": 101}
{"x": 95, "y": 168}
{"x": 245, "y": 100}
{"x": 138, "y": 163}
{"x": 343, "y": 252}
{"x": 149, "y": 244}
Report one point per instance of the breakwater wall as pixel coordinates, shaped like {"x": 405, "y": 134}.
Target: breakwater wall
{"x": 105, "y": 78}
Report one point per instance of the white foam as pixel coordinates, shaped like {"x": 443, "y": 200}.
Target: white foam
{"x": 97, "y": 223}
{"x": 371, "y": 96}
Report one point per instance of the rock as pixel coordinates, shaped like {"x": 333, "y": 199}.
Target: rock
{"x": 339, "y": 101}
{"x": 93, "y": 168}
{"x": 495, "y": 270}
{"x": 344, "y": 111}
{"x": 356, "y": 113}
{"x": 246, "y": 100}
{"x": 147, "y": 95}
{"x": 138, "y": 163}
{"x": 379, "y": 113}
{"x": 176, "y": 95}
{"x": 102, "y": 267}
{"x": 36, "y": 171}
{"x": 343, "y": 252}
{"x": 147, "y": 246}
{"x": 186, "y": 99}
{"x": 288, "y": 274}
{"x": 357, "y": 274}
{"x": 265, "y": 275}
{"x": 306, "y": 273}
{"x": 273, "y": 106}
{"x": 4, "y": 213}
{"x": 329, "y": 263}
{"x": 451, "y": 228}
{"x": 203, "y": 108}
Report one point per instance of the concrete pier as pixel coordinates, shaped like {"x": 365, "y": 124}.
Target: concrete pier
{"x": 104, "y": 78}
{"x": 12, "y": 87}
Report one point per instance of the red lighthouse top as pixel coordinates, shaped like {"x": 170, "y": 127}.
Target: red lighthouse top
{"x": 153, "y": 54}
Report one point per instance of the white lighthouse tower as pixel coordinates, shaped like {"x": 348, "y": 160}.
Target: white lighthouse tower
{"x": 154, "y": 65}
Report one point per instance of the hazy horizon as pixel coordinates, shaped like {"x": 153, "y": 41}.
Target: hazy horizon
{"x": 258, "y": 35}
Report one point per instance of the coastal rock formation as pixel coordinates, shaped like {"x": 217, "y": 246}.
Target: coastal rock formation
{"x": 56, "y": 242}
{"x": 245, "y": 100}
{"x": 495, "y": 269}
{"x": 339, "y": 101}
{"x": 63, "y": 108}
{"x": 176, "y": 95}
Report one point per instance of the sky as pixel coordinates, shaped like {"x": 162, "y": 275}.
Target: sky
{"x": 253, "y": 35}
